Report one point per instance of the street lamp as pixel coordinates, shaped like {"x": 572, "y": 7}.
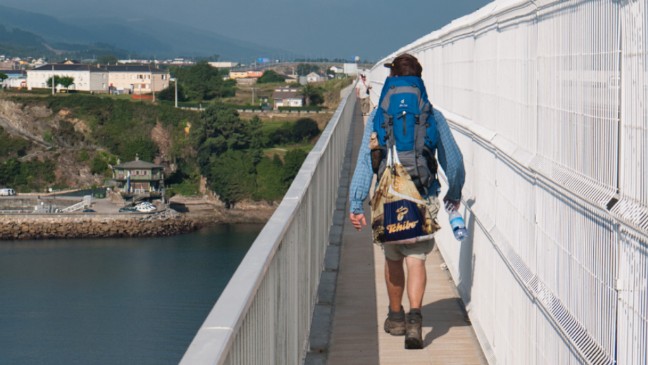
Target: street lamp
{"x": 357, "y": 62}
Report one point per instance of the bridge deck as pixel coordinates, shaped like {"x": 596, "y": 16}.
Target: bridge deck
{"x": 361, "y": 305}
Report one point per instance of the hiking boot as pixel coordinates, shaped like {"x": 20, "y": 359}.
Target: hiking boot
{"x": 395, "y": 323}
{"x": 414, "y": 330}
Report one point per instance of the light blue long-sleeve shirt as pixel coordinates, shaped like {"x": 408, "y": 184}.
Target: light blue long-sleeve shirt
{"x": 448, "y": 153}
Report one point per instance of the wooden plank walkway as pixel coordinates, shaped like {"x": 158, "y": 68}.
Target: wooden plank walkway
{"x": 361, "y": 306}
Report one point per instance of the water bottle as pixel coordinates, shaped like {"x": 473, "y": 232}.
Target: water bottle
{"x": 458, "y": 225}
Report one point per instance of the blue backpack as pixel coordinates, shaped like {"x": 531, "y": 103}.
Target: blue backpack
{"x": 404, "y": 118}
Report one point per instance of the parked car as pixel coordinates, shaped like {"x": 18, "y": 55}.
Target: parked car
{"x": 7, "y": 192}
{"x": 88, "y": 210}
{"x": 145, "y": 207}
{"x": 128, "y": 210}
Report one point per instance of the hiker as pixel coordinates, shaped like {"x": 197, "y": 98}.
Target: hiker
{"x": 406, "y": 70}
{"x": 362, "y": 92}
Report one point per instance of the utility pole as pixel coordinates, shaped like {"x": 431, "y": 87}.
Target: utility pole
{"x": 176, "y": 91}
{"x": 152, "y": 80}
{"x": 52, "y": 79}
{"x": 175, "y": 81}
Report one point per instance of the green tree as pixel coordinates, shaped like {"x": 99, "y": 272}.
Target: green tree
{"x": 8, "y": 171}
{"x": 169, "y": 93}
{"x": 27, "y": 176}
{"x": 257, "y": 137}
{"x": 292, "y": 163}
{"x": 3, "y": 77}
{"x": 107, "y": 59}
{"x": 141, "y": 147}
{"x": 304, "y": 69}
{"x": 282, "y": 135}
{"x": 314, "y": 94}
{"x": 270, "y": 76}
{"x": 305, "y": 129}
{"x": 57, "y": 81}
{"x": 203, "y": 82}
{"x": 232, "y": 176}
{"x": 269, "y": 179}
{"x": 219, "y": 130}
{"x": 98, "y": 165}
{"x": 228, "y": 152}
{"x": 66, "y": 81}
{"x": 12, "y": 146}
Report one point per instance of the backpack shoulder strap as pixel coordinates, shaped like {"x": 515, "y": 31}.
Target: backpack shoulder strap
{"x": 422, "y": 124}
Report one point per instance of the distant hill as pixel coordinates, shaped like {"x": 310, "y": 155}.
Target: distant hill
{"x": 144, "y": 37}
{"x": 19, "y": 39}
{"x": 17, "y": 42}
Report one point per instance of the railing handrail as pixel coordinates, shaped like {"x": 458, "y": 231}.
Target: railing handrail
{"x": 215, "y": 337}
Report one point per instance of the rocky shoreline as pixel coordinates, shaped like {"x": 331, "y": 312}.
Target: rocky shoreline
{"x": 22, "y": 227}
{"x": 97, "y": 225}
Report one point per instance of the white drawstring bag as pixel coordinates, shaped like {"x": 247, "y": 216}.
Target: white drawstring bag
{"x": 399, "y": 215}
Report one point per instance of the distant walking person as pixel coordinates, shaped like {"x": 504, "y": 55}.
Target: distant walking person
{"x": 405, "y": 78}
{"x": 362, "y": 92}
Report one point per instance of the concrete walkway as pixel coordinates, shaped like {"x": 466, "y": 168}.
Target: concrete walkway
{"x": 360, "y": 307}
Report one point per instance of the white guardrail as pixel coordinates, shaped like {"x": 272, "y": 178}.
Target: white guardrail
{"x": 264, "y": 314}
{"x": 548, "y": 101}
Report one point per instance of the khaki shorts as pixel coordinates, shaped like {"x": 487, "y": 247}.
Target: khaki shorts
{"x": 419, "y": 250}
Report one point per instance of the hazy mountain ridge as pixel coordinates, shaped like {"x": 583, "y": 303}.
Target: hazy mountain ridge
{"x": 140, "y": 37}
{"x": 17, "y": 42}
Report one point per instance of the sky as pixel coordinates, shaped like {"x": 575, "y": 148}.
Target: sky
{"x": 370, "y": 29}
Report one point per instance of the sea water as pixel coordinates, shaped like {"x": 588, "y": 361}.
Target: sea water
{"x": 113, "y": 301}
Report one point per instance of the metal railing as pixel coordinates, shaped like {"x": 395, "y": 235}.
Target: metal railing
{"x": 548, "y": 101}
{"x": 263, "y": 316}
{"x": 86, "y": 202}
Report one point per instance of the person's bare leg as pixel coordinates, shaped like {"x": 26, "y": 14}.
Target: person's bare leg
{"x": 416, "y": 280}
{"x": 395, "y": 279}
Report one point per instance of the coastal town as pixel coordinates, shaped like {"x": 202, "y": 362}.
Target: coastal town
{"x": 144, "y": 78}
{"x": 131, "y": 198}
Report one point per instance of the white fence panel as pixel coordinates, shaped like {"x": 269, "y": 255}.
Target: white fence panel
{"x": 633, "y": 83}
{"x": 633, "y": 299}
{"x": 549, "y": 104}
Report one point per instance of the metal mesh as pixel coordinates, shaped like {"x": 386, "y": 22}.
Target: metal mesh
{"x": 549, "y": 104}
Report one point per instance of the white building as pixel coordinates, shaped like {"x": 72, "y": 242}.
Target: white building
{"x": 133, "y": 62}
{"x": 137, "y": 79}
{"x": 287, "y": 97}
{"x": 15, "y": 79}
{"x": 313, "y": 77}
{"x": 223, "y": 64}
{"x": 351, "y": 69}
{"x": 86, "y": 77}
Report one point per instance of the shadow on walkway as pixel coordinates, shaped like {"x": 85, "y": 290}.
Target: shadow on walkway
{"x": 442, "y": 315}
